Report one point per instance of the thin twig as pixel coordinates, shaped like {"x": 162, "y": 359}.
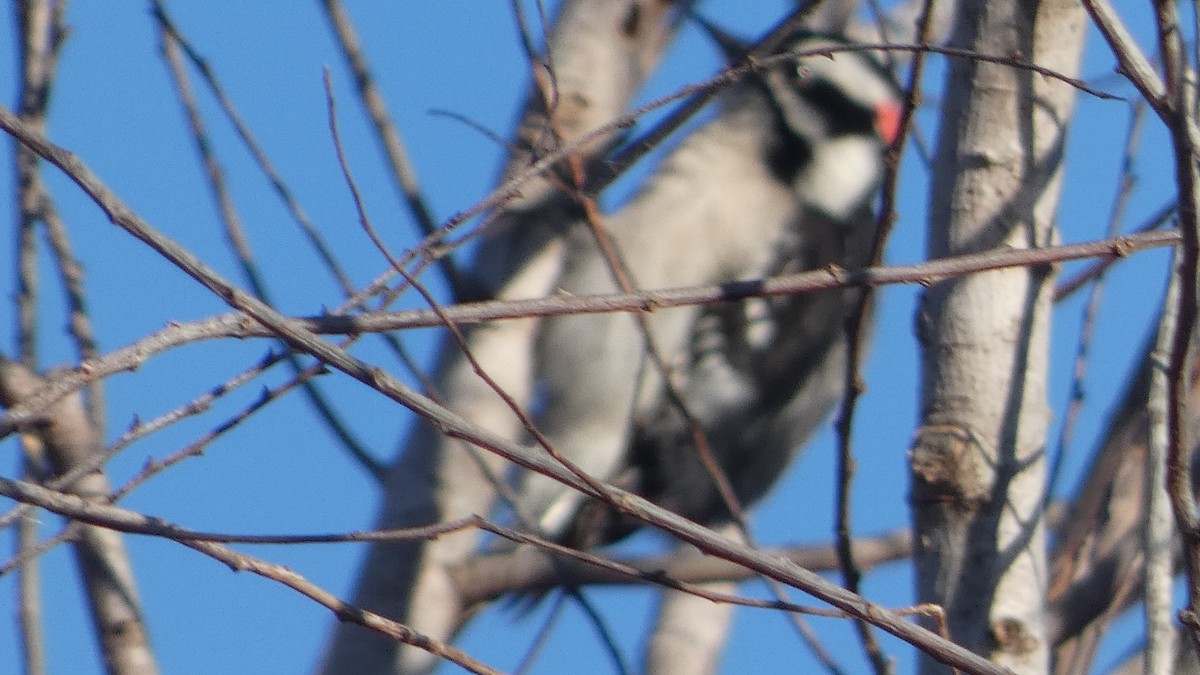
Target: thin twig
{"x": 119, "y": 519}
{"x": 105, "y": 569}
{"x": 289, "y": 578}
{"x": 41, "y": 33}
{"x": 700, "y": 95}
{"x": 856, "y": 330}
{"x": 134, "y": 355}
{"x": 411, "y": 281}
{"x": 542, "y": 637}
{"x": 403, "y": 172}
{"x": 1158, "y": 531}
{"x": 290, "y": 202}
{"x": 1175, "y": 110}
{"x": 1156, "y": 220}
{"x": 235, "y": 233}
{"x": 436, "y": 243}
{"x": 1092, "y": 306}
{"x": 488, "y": 577}
{"x": 300, "y": 338}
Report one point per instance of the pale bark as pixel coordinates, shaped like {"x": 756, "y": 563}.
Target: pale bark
{"x": 68, "y": 438}
{"x": 1159, "y": 531}
{"x": 1098, "y": 555}
{"x": 599, "y": 55}
{"x": 978, "y": 469}
{"x": 689, "y": 632}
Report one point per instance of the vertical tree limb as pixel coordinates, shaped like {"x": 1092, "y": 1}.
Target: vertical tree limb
{"x": 1159, "y": 533}
{"x": 689, "y": 631}
{"x": 1176, "y": 111}
{"x": 69, "y": 438}
{"x": 600, "y": 52}
{"x": 978, "y": 467}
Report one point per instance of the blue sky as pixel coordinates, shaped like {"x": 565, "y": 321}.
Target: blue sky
{"x": 281, "y": 473}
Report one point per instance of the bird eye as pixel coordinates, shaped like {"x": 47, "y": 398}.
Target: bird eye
{"x": 803, "y": 72}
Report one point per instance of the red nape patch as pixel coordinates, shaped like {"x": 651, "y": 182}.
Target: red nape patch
{"x": 887, "y": 121}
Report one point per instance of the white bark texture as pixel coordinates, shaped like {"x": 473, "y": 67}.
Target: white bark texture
{"x": 68, "y": 440}
{"x": 599, "y": 54}
{"x": 978, "y": 469}
{"x": 1159, "y": 533}
{"x": 689, "y": 632}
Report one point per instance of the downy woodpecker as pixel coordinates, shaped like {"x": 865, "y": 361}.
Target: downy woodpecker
{"x": 782, "y": 180}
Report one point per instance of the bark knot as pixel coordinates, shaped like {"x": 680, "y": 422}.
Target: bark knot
{"x": 1012, "y": 637}
{"x": 944, "y": 468}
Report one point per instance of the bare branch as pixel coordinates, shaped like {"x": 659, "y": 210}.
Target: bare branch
{"x": 930, "y": 273}
{"x": 487, "y": 578}
{"x": 403, "y": 172}
{"x": 103, "y": 561}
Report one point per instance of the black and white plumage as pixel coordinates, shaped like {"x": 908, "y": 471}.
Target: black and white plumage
{"x": 781, "y": 180}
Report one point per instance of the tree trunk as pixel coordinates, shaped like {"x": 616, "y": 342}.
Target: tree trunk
{"x": 978, "y": 470}
{"x": 599, "y": 54}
